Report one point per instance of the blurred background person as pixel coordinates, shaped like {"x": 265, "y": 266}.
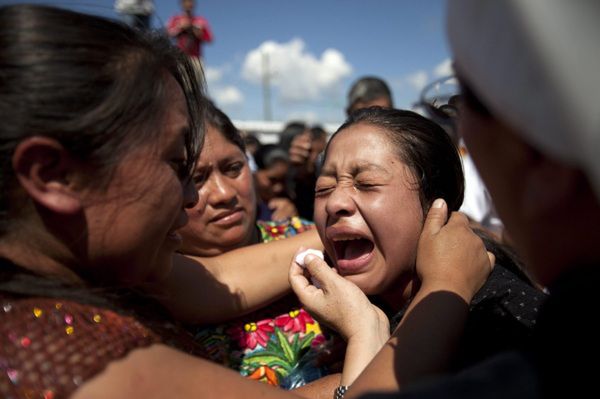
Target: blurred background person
{"x": 305, "y": 156}
{"x": 189, "y": 31}
{"x": 136, "y": 13}
{"x": 274, "y": 200}
{"x": 369, "y": 91}
{"x": 441, "y": 102}
{"x": 252, "y": 145}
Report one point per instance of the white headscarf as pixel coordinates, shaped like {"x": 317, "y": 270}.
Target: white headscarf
{"x": 536, "y": 65}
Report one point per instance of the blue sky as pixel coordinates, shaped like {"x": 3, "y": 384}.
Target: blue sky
{"x": 316, "y": 48}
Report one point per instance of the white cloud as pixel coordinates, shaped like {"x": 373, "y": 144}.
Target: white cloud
{"x": 298, "y": 74}
{"x": 227, "y": 96}
{"x": 212, "y": 74}
{"x": 443, "y": 69}
{"x": 223, "y": 94}
{"x": 417, "y": 79}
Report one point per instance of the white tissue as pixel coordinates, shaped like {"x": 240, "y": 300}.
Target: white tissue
{"x": 300, "y": 257}
{"x": 300, "y": 260}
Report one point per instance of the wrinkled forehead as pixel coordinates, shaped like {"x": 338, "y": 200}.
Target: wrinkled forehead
{"x": 361, "y": 146}
{"x": 360, "y": 138}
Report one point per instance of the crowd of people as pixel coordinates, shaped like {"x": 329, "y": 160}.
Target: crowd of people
{"x": 148, "y": 248}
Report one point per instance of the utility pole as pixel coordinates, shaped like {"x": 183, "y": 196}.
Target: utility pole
{"x": 266, "y": 85}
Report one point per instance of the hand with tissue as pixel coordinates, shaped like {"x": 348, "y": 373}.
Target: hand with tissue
{"x": 300, "y": 257}
{"x": 341, "y": 305}
{"x": 327, "y": 295}
{"x": 332, "y": 298}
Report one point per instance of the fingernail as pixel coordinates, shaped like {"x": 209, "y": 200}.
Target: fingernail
{"x": 438, "y": 203}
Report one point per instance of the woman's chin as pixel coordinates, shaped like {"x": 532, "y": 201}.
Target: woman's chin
{"x": 362, "y": 282}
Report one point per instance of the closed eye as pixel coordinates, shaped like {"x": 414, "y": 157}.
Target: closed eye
{"x": 366, "y": 186}
{"x": 321, "y": 191}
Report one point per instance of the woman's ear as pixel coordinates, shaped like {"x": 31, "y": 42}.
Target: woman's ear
{"x": 44, "y": 168}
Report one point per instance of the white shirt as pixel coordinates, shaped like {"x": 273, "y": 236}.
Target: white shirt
{"x": 478, "y": 203}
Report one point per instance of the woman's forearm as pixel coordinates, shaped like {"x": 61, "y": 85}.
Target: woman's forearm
{"x": 422, "y": 345}
{"x": 215, "y": 289}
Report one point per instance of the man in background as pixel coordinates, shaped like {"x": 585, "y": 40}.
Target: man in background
{"x": 189, "y": 31}
{"x": 369, "y": 91}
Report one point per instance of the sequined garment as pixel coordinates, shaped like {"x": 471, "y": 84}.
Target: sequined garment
{"x": 281, "y": 344}
{"x": 49, "y": 347}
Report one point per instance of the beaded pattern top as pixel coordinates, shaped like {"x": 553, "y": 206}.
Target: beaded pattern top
{"x": 49, "y": 347}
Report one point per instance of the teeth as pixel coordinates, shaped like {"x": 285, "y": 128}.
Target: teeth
{"x": 348, "y": 238}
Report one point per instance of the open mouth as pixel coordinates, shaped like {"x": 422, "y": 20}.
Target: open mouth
{"x": 352, "y": 252}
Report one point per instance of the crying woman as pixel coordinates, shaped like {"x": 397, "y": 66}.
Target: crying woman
{"x": 382, "y": 170}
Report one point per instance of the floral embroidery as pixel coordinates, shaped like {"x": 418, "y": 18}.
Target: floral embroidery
{"x": 319, "y": 340}
{"x": 275, "y": 345}
{"x": 280, "y": 354}
{"x": 271, "y": 231}
{"x": 315, "y": 329}
{"x": 251, "y": 334}
{"x": 294, "y": 321}
{"x": 265, "y": 374}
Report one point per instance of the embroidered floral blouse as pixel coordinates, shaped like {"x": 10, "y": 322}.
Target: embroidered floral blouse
{"x": 281, "y": 344}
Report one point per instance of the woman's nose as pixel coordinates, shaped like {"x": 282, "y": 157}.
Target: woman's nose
{"x": 221, "y": 191}
{"x": 340, "y": 202}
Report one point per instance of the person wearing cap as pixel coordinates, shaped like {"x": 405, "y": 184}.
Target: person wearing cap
{"x": 528, "y": 71}
{"x": 369, "y": 91}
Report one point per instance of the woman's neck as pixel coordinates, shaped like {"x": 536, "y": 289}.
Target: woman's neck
{"x": 399, "y": 294}
{"x": 36, "y": 260}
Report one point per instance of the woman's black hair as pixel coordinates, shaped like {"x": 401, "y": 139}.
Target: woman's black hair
{"x": 291, "y": 130}
{"x": 505, "y": 255}
{"x": 220, "y": 121}
{"x": 317, "y": 132}
{"x": 424, "y": 147}
{"x": 96, "y": 86}
{"x": 268, "y": 154}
